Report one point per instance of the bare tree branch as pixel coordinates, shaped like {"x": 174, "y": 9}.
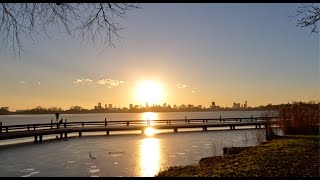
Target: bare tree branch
{"x": 91, "y": 21}
{"x": 308, "y": 16}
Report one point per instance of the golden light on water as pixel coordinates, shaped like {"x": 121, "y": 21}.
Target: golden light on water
{"x": 149, "y": 131}
{"x": 150, "y": 157}
{"x": 149, "y": 116}
{"x": 149, "y": 91}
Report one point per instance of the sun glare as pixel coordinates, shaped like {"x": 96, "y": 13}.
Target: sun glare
{"x": 149, "y": 131}
{"x": 149, "y": 92}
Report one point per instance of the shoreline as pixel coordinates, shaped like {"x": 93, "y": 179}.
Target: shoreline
{"x": 294, "y": 156}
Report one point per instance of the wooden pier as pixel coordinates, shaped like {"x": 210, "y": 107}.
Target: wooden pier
{"x": 39, "y": 130}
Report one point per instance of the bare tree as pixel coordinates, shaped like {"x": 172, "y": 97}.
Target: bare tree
{"x": 89, "y": 21}
{"x": 308, "y": 16}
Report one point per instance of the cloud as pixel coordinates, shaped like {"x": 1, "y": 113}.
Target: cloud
{"x": 39, "y": 83}
{"x": 82, "y": 80}
{"x": 22, "y": 82}
{"x": 78, "y": 81}
{"x": 89, "y": 80}
{"x": 193, "y": 91}
{"x": 109, "y": 82}
{"x": 181, "y": 85}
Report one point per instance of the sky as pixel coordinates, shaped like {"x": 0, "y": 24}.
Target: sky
{"x": 189, "y": 54}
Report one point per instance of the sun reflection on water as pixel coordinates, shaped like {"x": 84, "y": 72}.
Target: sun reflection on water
{"x": 149, "y": 157}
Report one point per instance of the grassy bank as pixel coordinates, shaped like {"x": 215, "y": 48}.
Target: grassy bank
{"x": 295, "y": 155}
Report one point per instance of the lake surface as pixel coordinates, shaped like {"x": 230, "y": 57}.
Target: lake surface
{"x": 119, "y": 154}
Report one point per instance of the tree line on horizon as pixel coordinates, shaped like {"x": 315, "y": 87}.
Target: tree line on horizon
{"x": 80, "y": 110}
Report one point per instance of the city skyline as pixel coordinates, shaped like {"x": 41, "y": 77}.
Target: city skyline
{"x": 191, "y": 54}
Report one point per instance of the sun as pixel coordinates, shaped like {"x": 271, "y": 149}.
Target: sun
{"x": 149, "y": 92}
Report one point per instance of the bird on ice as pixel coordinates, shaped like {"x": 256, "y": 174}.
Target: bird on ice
{"x": 91, "y": 156}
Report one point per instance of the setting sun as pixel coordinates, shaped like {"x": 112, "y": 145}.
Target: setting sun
{"x": 149, "y": 91}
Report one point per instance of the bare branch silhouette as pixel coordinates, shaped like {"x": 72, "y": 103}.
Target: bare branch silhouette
{"x": 89, "y": 21}
{"x": 308, "y": 16}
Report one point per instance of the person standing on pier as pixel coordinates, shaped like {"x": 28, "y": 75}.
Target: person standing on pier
{"x": 57, "y": 117}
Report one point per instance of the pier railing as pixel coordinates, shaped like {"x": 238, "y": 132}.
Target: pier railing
{"x": 65, "y": 124}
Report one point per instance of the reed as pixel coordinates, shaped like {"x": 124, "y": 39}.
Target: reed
{"x": 299, "y": 118}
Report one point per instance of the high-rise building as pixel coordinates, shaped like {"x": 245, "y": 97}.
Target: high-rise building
{"x": 130, "y": 106}
{"x": 147, "y": 106}
{"x": 213, "y": 103}
{"x": 110, "y": 106}
{"x": 245, "y": 105}
{"x": 99, "y": 105}
{"x": 106, "y": 106}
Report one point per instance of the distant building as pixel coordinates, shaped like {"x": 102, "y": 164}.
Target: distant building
{"x": 236, "y": 105}
{"x": 245, "y": 105}
{"x": 136, "y": 106}
{"x": 175, "y": 106}
{"x": 130, "y": 106}
{"x": 213, "y": 103}
{"x": 99, "y": 105}
{"x": 182, "y": 106}
{"x": 147, "y": 106}
{"x": 165, "y": 105}
{"x": 110, "y": 106}
{"x": 190, "y": 106}
{"x": 106, "y": 106}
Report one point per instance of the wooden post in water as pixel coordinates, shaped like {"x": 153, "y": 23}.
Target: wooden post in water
{"x": 127, "y": 123}
{"x": 80, "y": 133}
{"x": 51, "y": 124}
{"x": 105, "y": 121}
{"x": 65, "y": 135}
{"x": 35, "y": 138}
{"x": 175, "y": 130}
{"x": 65, "y": 122}
{"x": 7, "y": 129}
{"x": 107, "y": 132}
{"x": 40, "y": 138}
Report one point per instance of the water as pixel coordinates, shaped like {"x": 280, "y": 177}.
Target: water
{"x": 119, "y": 154}
{"x": 46, "y": 118}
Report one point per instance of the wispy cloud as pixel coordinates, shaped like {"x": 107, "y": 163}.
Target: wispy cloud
{"x": 82, "y": 80}
{"x": 22, "y": 82}
{"x": 193, "y": 91}
{"x": 109, "y": 82}
{"x": 181, "y": 85}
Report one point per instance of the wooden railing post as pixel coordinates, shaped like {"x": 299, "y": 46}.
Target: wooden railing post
{"x": 34, "y": 127}
{"x": 105, "y": 121}
{"x": 127, "y": 123}
{"x": 65, "y": 122}
{"x": 251, "y": 118}
{"x": 7, "y": 129}
{"x": 0, "y": 127}
{"x": 28, "y": 127}
{"x": 51, "y": 124}
{"x": 82, "y": 124}
{"x": 185, "y": 119}
{"x": 220, "y": 118}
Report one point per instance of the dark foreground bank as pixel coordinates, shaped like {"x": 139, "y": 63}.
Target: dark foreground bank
{"x": 295, "y": 156}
